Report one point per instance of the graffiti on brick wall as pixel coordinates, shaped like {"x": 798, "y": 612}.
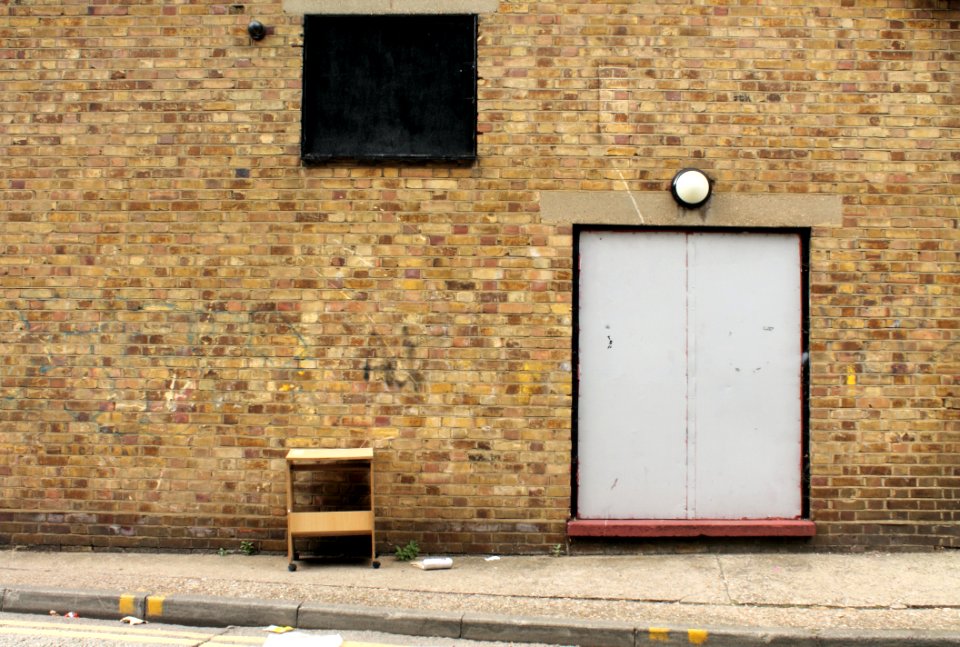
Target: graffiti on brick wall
{"x": 148, "y": 362}
{"x": 395, "y": 367}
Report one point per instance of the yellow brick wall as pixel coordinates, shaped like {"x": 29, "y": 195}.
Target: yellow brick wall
{"x": 181, "y": 300}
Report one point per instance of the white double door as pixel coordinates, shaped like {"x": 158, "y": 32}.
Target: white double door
{"x": 690, "y": 375}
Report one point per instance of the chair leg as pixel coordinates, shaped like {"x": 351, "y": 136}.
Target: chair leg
{"x": 290, "y": 554}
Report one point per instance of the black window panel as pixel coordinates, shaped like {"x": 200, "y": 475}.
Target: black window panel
{"x": 389, "y": 87}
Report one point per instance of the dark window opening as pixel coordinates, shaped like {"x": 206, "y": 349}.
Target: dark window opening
{"x": 389, "y": 87}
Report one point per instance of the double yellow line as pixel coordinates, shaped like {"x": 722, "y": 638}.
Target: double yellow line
{"x": 128, "y": 635}
{"x": 138, "y": 635}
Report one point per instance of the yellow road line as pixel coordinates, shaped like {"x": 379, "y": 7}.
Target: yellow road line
{"x": 139, "y": 634}
{"x": 74, "y": 633}
{"x": 236, "y": 640}
{"x": 194, "y": 635}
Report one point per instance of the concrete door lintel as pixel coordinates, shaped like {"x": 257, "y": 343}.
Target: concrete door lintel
{"x": 659, "y": 209}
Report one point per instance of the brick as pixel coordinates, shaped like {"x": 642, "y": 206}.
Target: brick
{"x": 181, "y": 300}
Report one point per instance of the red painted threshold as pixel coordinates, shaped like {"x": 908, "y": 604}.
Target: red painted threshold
{"x": 691, "y": 528}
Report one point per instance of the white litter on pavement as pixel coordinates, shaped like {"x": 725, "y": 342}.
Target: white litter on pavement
{"x": 434, "y": 563}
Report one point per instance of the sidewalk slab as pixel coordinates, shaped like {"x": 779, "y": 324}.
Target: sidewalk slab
{"x": 693, "y": 579}
{"x": 869, "y": 580}
{"x": 735, "y": 599}
{"x": 221, "y": 612}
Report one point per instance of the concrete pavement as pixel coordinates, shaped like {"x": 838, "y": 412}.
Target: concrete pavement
{"x": 714, "y": 599}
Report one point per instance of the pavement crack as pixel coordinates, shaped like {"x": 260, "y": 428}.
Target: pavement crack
{"x": 212, "y": 639}
{"x": 726, "y": 584}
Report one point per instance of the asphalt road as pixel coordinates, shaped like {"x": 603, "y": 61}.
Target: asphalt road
{"x": 26, "y": 630}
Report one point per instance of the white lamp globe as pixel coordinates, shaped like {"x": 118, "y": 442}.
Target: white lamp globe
{"x": 690, "y": 188}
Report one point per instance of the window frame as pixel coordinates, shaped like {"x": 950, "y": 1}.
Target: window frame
{"x": 449, "y": 136}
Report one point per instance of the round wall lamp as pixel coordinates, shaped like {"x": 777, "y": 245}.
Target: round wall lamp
{"x": 691, "y": 188}
{"x": 256, "y": 30}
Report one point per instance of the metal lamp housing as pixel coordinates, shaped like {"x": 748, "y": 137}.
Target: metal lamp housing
{"x": 256, "y": 30}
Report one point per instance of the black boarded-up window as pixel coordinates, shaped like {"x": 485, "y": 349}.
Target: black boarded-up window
{"x": 389, "y": 87}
